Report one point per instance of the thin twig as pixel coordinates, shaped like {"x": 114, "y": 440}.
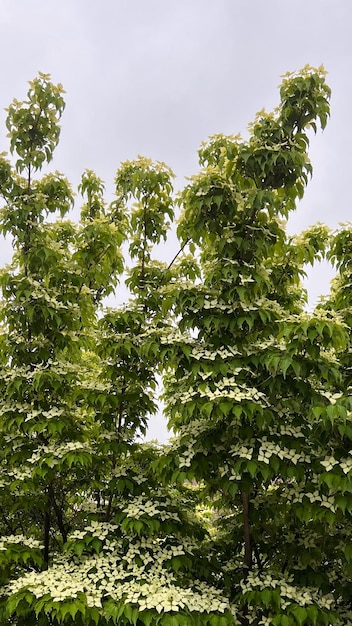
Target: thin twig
{"x": 179, "y": 252}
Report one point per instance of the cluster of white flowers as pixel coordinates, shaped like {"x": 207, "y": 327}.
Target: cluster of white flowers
{"x": 329, "y": 462}
{"x": 189, "y": 439}
{"x": 167, "y": 597}
{"x": 244, "y": 280}
{"x": 124, "y": 472}
{"x": 51, "y": 454}
{"x": 224, "y": 389}
{"x": 193, "y": 429}
{"x": 22, "y": 540}
{"x": 319, "y": 314}
{"x": 139, "y": 478}
{"x": 173, "y": 336}
{"x": 217, "y": 304}
{"x": 54, "y": 412}
{"x": 269, "y": 449}
{"x": 193, "y": 447}
{"x": 118, "y": 576}
{"x": 119, "y": 471}
{"x": 243, "y": 450}
{"x": 267, "y": 344}
{"x": 199, "y": 353}
{"x": 97, "y": 385}
{"x": 295, "y": 495}
{"x": 101, "y": 530}
{"x": 265, "y": 621}
{"x": 141, "y": 505}
{"x": 330, "y": 355}
{"x": 294, "y": 492}
{"x": 235, "y": 475}
{"x": 287, "y": 429}
{"x": 30, "y": 412}
{"x": 304, "y": 596}
{"x": 31, "y": 373}
{"x": 39, "y": 292}
{"x": 185, "y": 460}
{"x": 205, "y": 375}
{"x": 346, "y": 464}
{"x": 90, "y": 506}
{"x": 15, "y": 407}
{"x": 332, "y": 397}
{"x": 21, "y": 474}
{"x": 58, "y": 451}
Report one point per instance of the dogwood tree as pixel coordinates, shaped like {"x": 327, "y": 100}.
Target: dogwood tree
{"x": 245, "y": 517}
{"x": 88, "y": 533}
{"x": 257, "y": 388}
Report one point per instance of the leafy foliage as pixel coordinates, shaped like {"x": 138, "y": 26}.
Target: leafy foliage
{"x": 245, "y": 516}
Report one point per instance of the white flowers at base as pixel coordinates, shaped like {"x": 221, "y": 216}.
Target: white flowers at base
{"x": 120, "y": 577}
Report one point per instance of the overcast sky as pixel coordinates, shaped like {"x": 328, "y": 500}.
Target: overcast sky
{"x": 156, "y": 77}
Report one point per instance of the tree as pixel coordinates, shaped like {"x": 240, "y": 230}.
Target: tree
{"x": 88, "y": 533}
{"x": 258, "y": 389}
{"x": 245, "y": 517}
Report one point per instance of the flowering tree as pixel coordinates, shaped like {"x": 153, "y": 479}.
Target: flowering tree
{"x": 257, "y": 388}
{"x": 245, "y": 517}
{"x": 88, "y": 533}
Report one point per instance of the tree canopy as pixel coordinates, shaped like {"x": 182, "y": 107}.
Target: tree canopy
{"x": 244, "y": 517}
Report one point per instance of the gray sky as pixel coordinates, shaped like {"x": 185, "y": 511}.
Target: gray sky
{"x": 157, "y": 77}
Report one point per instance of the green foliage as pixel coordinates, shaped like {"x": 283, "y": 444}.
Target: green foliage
{"x": 245, "y": 516}
{"x": 256, "y": 387}
{"x": 33, "y": 124}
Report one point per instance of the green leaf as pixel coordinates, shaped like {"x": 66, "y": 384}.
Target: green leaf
{"x": 300, "y": 614}
{"x": 252, "y": 468}
{"x": 266, "y": 597}
{"x": 348, "y": 551}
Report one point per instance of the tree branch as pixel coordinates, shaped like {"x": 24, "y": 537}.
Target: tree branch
{"x": 47, "y": 523}
{"x": 248, "y": 556}
{"x": 178, "y": 253}
{"x": 59, "y": 515}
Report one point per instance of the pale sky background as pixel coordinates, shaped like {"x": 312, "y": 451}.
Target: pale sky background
{"x": 157, "y": 77}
